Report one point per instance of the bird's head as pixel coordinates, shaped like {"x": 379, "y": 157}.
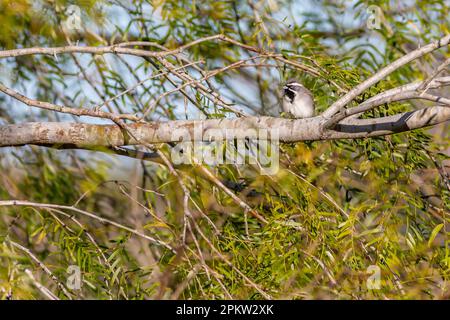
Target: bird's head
{"x": 292, "y": 85}
{"x": 291, "y": 88}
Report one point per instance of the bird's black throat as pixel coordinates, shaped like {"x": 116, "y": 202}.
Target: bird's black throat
{"x": 290, "y": 94}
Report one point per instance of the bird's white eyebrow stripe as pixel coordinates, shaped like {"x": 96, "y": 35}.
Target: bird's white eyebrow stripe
{"x": 290, "y": 89}
{"x": 294, "y": 84}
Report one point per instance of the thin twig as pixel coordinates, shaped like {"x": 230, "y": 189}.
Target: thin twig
{"x": 42, "y": 266}
{"x": 85, "y": 213}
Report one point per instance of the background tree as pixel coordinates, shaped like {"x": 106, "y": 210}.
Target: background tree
{"x": 104, "y": 76}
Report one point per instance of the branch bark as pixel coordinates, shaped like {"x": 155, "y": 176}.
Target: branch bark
{"x": 383, "y": 73}
{"x": 405, "y": 92}
{"x": 83, "y": 135}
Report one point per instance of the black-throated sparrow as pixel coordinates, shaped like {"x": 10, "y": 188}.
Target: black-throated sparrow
{"x": 297, "y": 100}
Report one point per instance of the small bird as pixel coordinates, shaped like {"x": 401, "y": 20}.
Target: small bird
{"x": 298, "y": 101}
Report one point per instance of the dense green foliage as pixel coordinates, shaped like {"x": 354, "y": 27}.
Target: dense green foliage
{"x": 334, "y": 209}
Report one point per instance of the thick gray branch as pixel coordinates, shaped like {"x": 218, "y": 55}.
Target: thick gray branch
{"x": 289, "y": 130}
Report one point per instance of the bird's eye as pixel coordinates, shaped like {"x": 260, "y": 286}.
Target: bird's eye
{"x": 288, "y": 89}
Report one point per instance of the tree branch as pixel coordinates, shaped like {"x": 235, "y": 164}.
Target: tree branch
{"x": 83, "y": 135}
{"x": 80, "y": 135}
{"x": 20, "y": 203}
{"x": 405, "y": 92}
{"x": 74, "y": 111}
{"x": 352, "y": 94}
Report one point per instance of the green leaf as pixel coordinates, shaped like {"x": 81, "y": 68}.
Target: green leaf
{"x": 434, "y": 233}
